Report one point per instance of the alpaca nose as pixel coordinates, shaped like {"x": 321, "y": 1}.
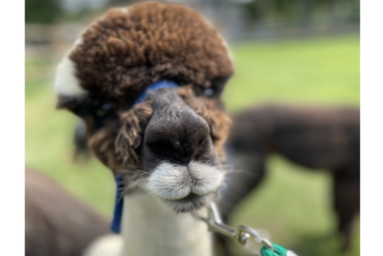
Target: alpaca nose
{"x": 178, "y": 138}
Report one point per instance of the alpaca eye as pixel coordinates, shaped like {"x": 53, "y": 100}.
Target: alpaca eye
{"x": 209, "y": 92}
{"x": 104, "y": 110}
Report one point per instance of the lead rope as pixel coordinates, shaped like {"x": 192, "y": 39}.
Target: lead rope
{"x": 243, "y": 235}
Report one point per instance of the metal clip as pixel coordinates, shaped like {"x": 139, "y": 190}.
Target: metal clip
{"x": 242, "y": 234}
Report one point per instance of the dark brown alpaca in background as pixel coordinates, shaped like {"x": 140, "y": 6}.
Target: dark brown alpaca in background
{"x": 314, "y": 137}
{"x": 56, "y": 223}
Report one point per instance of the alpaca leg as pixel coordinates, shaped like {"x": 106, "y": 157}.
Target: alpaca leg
{"x": 248, "y": 172}
{"x": 347, "y": 206}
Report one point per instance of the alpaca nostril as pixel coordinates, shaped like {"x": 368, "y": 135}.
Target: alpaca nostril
{"x": 160, "y": 145}
{"x": 184, "y": 159}
{"x": 178, "y": 143}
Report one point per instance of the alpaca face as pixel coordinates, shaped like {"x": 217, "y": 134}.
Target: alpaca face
{"x": 178, "y": 153}
{"x": 171, "y": 144}
{"x": 175, "y": 155}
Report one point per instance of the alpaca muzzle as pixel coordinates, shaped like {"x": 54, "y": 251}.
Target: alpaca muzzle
{"x": 175, "y": 182}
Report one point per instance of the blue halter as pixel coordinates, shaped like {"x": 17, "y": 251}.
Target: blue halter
{"x": 119, "y": 203}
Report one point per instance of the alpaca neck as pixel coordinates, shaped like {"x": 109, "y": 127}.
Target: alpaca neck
{"x": 150, "y": 228}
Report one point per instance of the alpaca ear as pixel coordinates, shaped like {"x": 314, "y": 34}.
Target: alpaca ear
{"x": 129, "y": 138}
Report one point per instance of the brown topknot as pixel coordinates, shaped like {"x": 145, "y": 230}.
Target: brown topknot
{"x": 132, "y": 47}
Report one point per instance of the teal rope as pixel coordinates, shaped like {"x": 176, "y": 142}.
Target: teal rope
{"x": 278, "y": 251}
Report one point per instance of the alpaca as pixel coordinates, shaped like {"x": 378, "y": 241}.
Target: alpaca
{"x": 314, "y": 137}
{"x": 56, "y": 223}
{"x": 166, "y": 144}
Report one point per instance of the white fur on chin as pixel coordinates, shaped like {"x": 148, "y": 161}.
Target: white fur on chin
{"x": 173, "y": 182}
{"x": 209, "y": 179}
{"x": 169, "y": 181}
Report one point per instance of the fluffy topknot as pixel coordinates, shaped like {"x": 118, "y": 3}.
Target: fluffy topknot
{"x": 132, "y": 47}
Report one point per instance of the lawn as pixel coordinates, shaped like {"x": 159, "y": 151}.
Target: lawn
{"x": 292, "y": 204}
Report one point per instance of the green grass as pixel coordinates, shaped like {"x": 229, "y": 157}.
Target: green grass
{"x": 293, "y": 204}
{"x": 307, "y": 71}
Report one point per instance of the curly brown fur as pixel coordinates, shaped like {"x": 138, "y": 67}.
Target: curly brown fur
{"x": 130, "y": 136}
{"x": 132, "y": 47}
{"x": 102, "y": 143}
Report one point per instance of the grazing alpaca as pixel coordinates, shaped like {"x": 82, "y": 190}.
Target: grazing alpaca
{"x": 167, "y": 144}
{"x": 56, "y": 223}
{"x": 314, "y": 137}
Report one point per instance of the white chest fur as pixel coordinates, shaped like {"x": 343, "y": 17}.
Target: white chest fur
{"x": 151, "y": 229}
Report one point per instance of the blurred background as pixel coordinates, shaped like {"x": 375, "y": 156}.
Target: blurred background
{"x": 296, "y": 51}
